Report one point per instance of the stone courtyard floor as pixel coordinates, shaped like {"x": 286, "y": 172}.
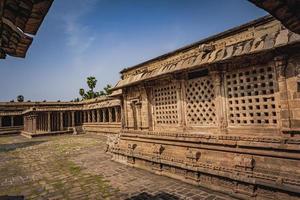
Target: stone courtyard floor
{"x": 76, "y": 167}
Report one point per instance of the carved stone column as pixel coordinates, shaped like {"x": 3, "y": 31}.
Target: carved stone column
{"x": 89, "y": 116}
{"x": 49, "y": 121}
{"x": 24, "y": 122}
{"x": 109, "y": 115}
{"x": 93, "y": 116}
{"x": 72, "y": 118}
{"x": 139, "y": 114}
{"x": 117, "y": 114}
{"x": 217, "y": 78}
{"x": 180, "y": 85}
{"x": 104, "y": 115}
{"x": 98, "y": 115}
{"x": 283, "y": 95}
{"x": 37, "y": 123}
{"x": 34, "y": 123}
{"x": 61, "y": 121}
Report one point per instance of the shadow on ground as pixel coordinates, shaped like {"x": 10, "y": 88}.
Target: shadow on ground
{"x": 159, "y": 196}
{"x": 11, "y": 147}
{"x": 12, "y": 198}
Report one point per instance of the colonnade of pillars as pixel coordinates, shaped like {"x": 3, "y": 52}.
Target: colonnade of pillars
{"x": 102, "y": 115}
{"x": 51, "y": 121}
{"x": 9, "y": 121}
{"x": 38, "y": 122}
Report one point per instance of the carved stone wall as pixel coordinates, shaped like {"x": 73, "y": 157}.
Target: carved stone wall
{"x": 165, "y": 104}
{"x": 136, "y": 108}
{"x": 254, "y": 103}
{"x": 251, "y": 96}
{"x": 200, "y": 102}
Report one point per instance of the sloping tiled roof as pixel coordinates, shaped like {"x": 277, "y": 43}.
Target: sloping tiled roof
{"x": 18, "y": 19}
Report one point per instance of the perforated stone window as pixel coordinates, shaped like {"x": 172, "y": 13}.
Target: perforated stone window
{"x": 165, "y": 104}
{"x": 250, "y": 96}
{"x": 200, "y": 101}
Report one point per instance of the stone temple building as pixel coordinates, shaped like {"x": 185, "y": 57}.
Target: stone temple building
{"x": 222, "y": 113}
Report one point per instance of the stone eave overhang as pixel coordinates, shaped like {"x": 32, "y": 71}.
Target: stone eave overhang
{"x": 38, "y": 103}
{"x": 286, "y": 11}
{"x": 275, "y": 36}
{"x": 11, "y": 113}
{"x": 19, "y": 21}
{"x": 57, "y": 109}
{"x": 228, "y": 32}
{"x": 102, "y": 104}
{"x": 229, "y": 62}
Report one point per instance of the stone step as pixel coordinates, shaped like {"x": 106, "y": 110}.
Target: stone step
{"x": 32, "y": 135}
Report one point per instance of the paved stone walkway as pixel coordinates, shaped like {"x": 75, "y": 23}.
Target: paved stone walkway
{"x": 76, "y": 167}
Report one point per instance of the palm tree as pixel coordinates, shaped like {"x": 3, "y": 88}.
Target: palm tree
{"x": 91, "y": 81}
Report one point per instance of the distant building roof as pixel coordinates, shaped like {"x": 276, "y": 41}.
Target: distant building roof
{"x": 18, "y": 20}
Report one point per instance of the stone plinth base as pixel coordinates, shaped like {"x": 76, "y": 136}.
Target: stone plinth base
{"x": 245, "y": 167}
{"x": 32, "y": 135}
{"x": 10, "y": 130}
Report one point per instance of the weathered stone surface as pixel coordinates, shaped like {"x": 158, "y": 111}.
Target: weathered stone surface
{"x": 77, "y": 167}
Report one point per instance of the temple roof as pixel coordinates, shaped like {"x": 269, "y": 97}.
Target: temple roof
{"x": 286, "y": 11}
{"x": 19, "y": 19}
{"x": 257, "y": 36}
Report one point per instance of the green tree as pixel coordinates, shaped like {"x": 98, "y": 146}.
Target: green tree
{"x": 91, "y": 82}
{"x": 20, "y": 98}
{"x": 90, "y": 94}
{"x": 107, "y": 89}
{"x": 81, "y": 92}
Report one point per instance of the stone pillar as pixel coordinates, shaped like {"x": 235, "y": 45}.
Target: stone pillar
{"x": 45, "y": 122}
{"x": 49, "y": 121}
{"x": 116, "y": 113}
{"x": 103, "y": 114}
{"x": 24, "y": 123}
{"x": 0, "y": 121}
{"x": 72, "y": 118}
{"x": 12, "y": 123}
{"x": 283, "y": 95}
{"x": 34, "y": 123}
{"x": 109, "y": 115}
{"x": 219, "y": 94}
{"x": 98, "y": 115}
{"x": 149, "y": 94}
{"x": 139, "y": 115}
{"x": 37, "y": 123}
{"x": 123, "y": 113}
{"x": 93, "y": 116}
{"x": 89, "y": 116}
{"x": 61, "y": 120}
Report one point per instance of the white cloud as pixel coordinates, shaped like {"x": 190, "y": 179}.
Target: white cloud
{"x": 79, "y": 36}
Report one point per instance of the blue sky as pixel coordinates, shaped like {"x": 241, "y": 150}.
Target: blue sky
{"x": 81, "y": 38}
